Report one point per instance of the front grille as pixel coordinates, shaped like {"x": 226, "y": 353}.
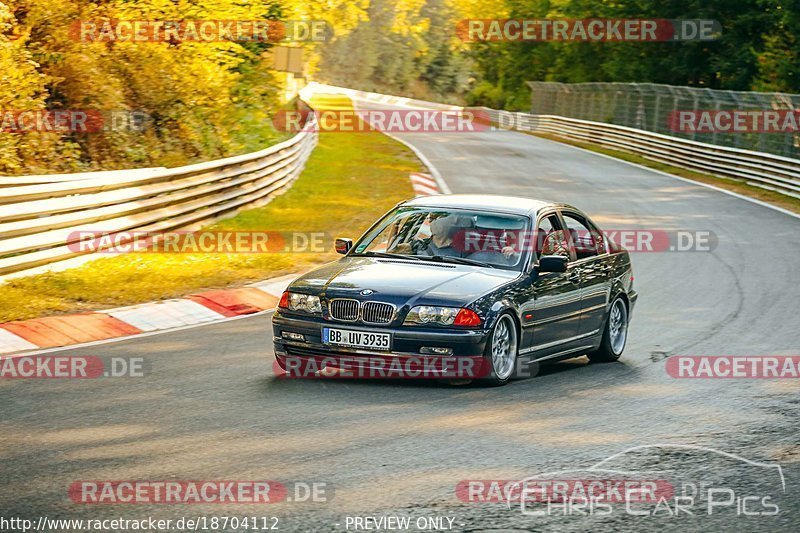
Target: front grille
{"x": 349, "y": 310}
{"x": 344, "y": 309}
{"x": 377, "y": 312}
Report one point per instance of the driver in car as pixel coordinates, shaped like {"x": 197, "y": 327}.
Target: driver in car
{"x": 435, "y": 237}
{"x": 443, "y": 229}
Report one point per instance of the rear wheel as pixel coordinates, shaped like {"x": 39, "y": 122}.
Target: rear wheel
{"x": 615, "y": 334}
{"x": 501, "y": 351}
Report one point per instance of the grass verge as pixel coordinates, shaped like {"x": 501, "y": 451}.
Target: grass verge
{"x": 734, "y": 185}
{"x": 348, "y": 182}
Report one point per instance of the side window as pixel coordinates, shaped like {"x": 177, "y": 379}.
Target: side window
{"x": 550, "y": 238}
{"x": 588, "y": 241}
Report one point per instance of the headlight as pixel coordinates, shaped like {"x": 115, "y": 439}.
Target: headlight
{"x": 306, "y": 303}
{"x": 428, "y": 314}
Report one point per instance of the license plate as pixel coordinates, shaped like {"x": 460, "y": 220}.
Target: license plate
{"x": 357, "y": 339}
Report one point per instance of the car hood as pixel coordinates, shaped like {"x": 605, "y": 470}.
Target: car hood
{"x": 402, "y": 282}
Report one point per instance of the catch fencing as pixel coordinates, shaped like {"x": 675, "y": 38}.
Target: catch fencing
{"x": 649, "y": 106}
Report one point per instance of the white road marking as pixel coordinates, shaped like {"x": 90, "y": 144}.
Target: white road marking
{"x": 165, "y": 315}
{"x": 10, "y": 342}
{"x": 129, "y": 337}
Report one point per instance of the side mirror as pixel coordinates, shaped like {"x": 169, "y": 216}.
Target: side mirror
{"x": 343, "y": 245}
{"x": 552, "y": 263}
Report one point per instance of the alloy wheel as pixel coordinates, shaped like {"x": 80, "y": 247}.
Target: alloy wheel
{"x": 618, "y": 326}
{"x": 504, "y": 347}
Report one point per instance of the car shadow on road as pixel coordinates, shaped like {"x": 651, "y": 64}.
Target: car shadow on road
{"x": 533, "y": 374}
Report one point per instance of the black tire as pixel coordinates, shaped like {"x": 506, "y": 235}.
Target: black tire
{"x": 500, "y": 376}
{"x": 612, "y": 346}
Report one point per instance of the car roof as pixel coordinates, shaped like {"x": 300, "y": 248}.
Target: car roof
{"x": 489, "y": 202}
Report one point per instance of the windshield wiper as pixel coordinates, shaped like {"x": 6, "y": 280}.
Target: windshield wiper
{"x": 437, "y": 258}
{"x": 459, "y": 260}
{"x": 389, "y": 255}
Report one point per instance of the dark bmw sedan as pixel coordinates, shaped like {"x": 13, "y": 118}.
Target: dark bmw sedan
{"x": 496, "y": 279}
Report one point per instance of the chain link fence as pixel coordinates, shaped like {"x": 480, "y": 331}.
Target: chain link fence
{"x": 649, "y": 106}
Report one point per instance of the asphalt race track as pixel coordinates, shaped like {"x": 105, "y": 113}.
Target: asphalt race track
{"x": 210, "y": 408}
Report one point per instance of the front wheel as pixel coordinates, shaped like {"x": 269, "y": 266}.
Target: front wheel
{"x": 614, "y": 335}
{"x": 501, "y": 351}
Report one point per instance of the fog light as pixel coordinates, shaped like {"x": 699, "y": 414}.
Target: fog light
{"x": 435, "y": 350}
{"x": 293, "y": 336}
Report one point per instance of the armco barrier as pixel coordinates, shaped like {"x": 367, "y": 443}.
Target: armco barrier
{"x": 313, "y": 88}
{"x": 13, "y": 181}
{"x": 768, "y": 171}
{"x": 40, "y": 218}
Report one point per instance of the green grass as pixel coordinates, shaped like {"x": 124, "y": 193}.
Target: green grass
{"x": 738, "y": 186}
{"x": 349, "y": 181}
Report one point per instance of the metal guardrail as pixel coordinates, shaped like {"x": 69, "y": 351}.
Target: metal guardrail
{"x": 768, "y": 171}
{"x": 13, "y": 181}
{"x": 387, "y": 99}
{"x": 40, "y": 220}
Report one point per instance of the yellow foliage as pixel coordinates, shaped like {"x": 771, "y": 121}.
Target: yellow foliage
{"x": 205, "y": 100}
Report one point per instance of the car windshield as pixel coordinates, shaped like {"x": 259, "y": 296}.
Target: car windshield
{"x": 448, "y": 235}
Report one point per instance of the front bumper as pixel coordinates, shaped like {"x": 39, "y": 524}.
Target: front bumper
{"x": 407, "y": 341}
